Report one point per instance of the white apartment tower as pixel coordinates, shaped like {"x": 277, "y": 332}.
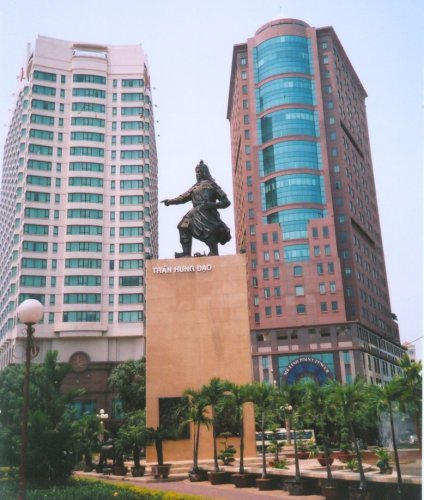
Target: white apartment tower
{"x": 78, "y": 208}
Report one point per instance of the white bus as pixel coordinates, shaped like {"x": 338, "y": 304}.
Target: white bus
{"x": 306, "y": 435}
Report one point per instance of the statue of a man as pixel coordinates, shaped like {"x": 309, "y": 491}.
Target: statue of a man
{"x": 202, "y": 221}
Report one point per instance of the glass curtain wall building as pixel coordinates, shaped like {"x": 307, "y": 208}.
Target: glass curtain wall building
{"x": 79, "y": 202}
{"x": 306, "y": 209}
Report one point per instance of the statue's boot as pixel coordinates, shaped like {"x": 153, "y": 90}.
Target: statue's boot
{"x": 213, "y": 248}
{"x": 186, "y": 250}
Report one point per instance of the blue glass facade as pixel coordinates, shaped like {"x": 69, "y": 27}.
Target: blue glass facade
{"x": 282, "y": 54}
{"x": 289, "y": 155}
{"x": 295, "y": 132}
{"x": 294, "y": 221}
{"x": 288, "y": 90}
{"x": 287, "y": 122}
{"x": 293, "y": 188}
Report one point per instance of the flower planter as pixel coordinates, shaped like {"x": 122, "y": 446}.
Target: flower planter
{"x": 356, "y": 493}
{"x": 159, "y": 471}
{"x": 344, "y": 456}
{"x": 386, "y": 470}
{"x": 120, "y": 470}
{"x": 197, "y": 475}
{"x": 265, "y": 483}
{"x": 295, "y": 487}
{"x": 219, "y": 477}
{"x": 303, "y": 455}
{"x": 243, "y": 480}
{"x": 138, "y": 471}
{"x": 323, "y": 461}
{"x": 332, "y": 492}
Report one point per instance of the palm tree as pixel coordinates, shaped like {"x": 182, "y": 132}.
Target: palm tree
{"x": 292, "y": 397}
{"x": 385, "y": 397}
{"x": 351, "y": 402}
{"x": 197, "y": 414}
{"x": 265, "y": 397}
{"x": 240, "y": 394}
{"x": 319, "y": 410}
{"x": 213, "y": 393}
{"x": 411, "y": 394}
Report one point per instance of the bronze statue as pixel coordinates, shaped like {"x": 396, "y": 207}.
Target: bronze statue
{"x": 202, "y": 221}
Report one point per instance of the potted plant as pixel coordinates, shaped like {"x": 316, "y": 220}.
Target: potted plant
{"x": 383, "y": 461}
{"x": 213, "y": 394}
{"x": 354, "y": 412}
{"x": 345, "y": 452}
{"x": 131, "y": 437}
{"x": 319, "y": 410}
{"x": 119, "y": 467}
{"x": 275, "y": 446}
{"x": 323, "y": 457}
{"x": 303, "y": 450}
{"x": 158, "y": 436}
{"x": 282, "y": 463}
{"x": 239, "y": 395}
{"x": 294, "y": 396}
{"x": 265, "y": 398}
{"x": 227, "y": 453}
{"x": 197, "y": 415}
{"x": 87, "y": 433}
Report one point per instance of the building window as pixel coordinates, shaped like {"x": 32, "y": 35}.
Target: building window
{"x": 267, "y": 311}
{"x": 301, "y": 308}
{"x": 278, "y": 310}
{"x": 316, "y": 251}
{"x": 299, "y": 290}
{"x": 334, "y": 306}
{"x": 323, "y": 306}
{"x": 298, "y": 271}
{"x": 320, "y": 268}
{"x": 322, "y": 288}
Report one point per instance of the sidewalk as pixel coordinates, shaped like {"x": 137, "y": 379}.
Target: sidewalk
{"x": 179, "y": 483}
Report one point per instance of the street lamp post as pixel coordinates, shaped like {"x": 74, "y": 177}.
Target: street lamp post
{"x": 29, "y": 312}
{"x": 103, "y": 417}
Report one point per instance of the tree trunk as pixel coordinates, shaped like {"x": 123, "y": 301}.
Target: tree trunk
{"x": 362, "y": 483}
{"x": 263, "y": 446}
{"x": 159, "y": 450}
{"x": 241, "y": 468}
{"x": 215, "y": 451}
{"x": 196, "y": 436}
{"x": 296, "y": 458}
{"x": 136, "y": 456}
{"x": 399, "y": 476}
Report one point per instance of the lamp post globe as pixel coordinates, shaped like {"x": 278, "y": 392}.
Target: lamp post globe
{"x": 30, "y": 311}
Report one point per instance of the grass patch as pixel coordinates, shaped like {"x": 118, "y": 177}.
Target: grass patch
{"x": 89, "y": 489}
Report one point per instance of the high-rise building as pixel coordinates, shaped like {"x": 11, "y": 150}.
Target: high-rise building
{"x": 78, "y": 206}
{"x": 306, "y": 209}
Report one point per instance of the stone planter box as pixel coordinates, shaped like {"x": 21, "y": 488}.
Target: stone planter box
{"x": 159, "y": 471}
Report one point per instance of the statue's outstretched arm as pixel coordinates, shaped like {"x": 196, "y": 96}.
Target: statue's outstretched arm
{"x": 179, "y": 200}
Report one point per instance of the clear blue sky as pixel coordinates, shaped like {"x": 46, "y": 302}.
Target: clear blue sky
{"x": 189, "y": 45}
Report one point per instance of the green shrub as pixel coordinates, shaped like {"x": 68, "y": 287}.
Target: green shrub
{"x": 85, "y": 489}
